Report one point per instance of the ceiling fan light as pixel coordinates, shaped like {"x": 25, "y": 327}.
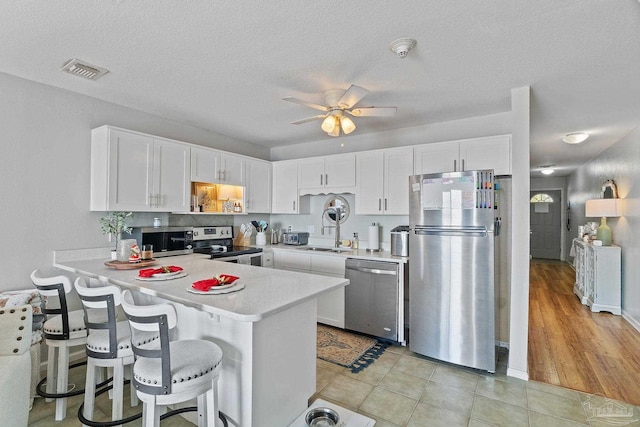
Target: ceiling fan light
{"x": 329, "y": 123}
{"x": 335, "y": 131}
{"x": 347, "y": 125}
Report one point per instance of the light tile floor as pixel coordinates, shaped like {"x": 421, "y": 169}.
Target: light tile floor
{"x": 402, "y": 389}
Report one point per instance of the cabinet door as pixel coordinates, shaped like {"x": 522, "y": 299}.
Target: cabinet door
{"x": 311, "y": 173}
{"x": 369, "y": 192}
{"x": 285, "y": 187}
{"x": 398, "y": 167}
{"x": 340, "y": 170}
{"x": 172, "y": 172}
{"x": 258, "y": 186}
{"x": 231, "y": 170}
{"x": 436, "y": 158}
{"x": 487, "y": 153}
{"x": 203, "y": 165}
{"x": 292, "y": 261}
{"x": 130, "y": 175}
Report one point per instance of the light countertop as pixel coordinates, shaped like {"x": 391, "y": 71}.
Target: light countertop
{"x": 345, "y": 253}
{"x": 267, "y": 291}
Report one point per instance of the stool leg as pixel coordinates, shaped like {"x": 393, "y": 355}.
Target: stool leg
{"x": 110, "y": 375}
{"x": 212, "y": 404}
{"x": 132, "y": 388}
{"x": 90, "y": 389}
{"x": 202, "y": 411}
{"x": 63, "y": 377}
{"x": 118, "y": 380}
{"x": 151, "y": 413}
{"x": 51, "y": 372}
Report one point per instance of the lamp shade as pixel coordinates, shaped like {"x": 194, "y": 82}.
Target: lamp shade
{"x": 603, "y": 208}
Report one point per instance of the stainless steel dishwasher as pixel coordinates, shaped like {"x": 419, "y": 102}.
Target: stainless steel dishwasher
{"x": 372, "y": 298}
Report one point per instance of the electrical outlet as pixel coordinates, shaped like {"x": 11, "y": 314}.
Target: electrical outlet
{"x": 311, "y": 229}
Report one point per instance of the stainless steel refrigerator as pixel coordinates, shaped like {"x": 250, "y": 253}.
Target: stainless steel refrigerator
{"x": 451, "y": 270}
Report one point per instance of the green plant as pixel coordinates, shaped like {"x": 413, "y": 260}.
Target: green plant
{"x": 115, "y": 224}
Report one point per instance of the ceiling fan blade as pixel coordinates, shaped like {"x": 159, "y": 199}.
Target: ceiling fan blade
{"x": 373, "y": 112}
{"x": 352, "y": 96}
{"x": 305, "y": 103}
{"x": 309, "y": 119}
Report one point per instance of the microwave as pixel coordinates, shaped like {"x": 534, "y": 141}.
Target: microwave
{"x": 166, "y": 241}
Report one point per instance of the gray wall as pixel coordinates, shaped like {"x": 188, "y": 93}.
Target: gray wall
{"x": 44, "y": 171}
{"x": 620, "y": 163}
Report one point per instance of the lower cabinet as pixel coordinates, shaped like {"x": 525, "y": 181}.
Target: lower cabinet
{"x": 330, "y": 305}
{"x": 598, "y": 277}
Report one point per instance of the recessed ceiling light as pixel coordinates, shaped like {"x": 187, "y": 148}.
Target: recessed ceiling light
{"x": 546, "y": 170}
{"x": 575, "y": 138}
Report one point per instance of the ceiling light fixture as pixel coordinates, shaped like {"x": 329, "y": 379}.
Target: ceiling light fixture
{"x": 402, "y": 46}
{"x": 547, "y": 170}
{"x": 336, "y": 121}
{"x": 575, "y": 137}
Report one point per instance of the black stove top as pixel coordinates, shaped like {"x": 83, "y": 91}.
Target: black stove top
{"x": 231, "y": 251}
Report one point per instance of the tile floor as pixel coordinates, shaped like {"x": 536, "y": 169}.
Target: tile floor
{"x": 402, "y": 388}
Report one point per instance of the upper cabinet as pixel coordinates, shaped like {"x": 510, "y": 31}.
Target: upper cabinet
{"x": 336, "y": 173}
{"x": 216, "y": 167}
{"x": 131, "y": 171}
{"x": 285, "y": 198}
{"x": 258, "y": 186}
{"x": 383, "y": 181}
{"x": 471, "y": 154}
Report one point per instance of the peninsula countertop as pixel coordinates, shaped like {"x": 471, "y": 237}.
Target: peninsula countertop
{"x": 266, "y": 292}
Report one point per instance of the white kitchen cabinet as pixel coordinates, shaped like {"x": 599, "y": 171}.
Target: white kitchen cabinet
{"x": 383, "y": 181}
{"x": 257, "y": 193}
{"x": 331, "y": 304}
{"x": 284, "y": 196}
{"x": 598, "y": 277}
{"x": 135, "y": 172}
{"x": 216, "y": 167}
{"x": 471, "y": 154}
{"x": 334, "y": 173}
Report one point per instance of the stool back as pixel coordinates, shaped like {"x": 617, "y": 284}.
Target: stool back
{"x": 96, "y": 302}
{"x": 157, "y": 319}
{"x": 57, "y": 286}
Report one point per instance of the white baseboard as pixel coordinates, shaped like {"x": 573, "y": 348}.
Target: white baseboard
{"x": 518, "y": 374}
{"x": 633, "y": 322}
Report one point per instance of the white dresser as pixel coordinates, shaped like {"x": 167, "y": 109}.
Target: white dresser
{"x": 598, "y": 276}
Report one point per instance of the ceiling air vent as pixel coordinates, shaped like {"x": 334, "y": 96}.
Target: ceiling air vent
{"x": 84, "y": 69}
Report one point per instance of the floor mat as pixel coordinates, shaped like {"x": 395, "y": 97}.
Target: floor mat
{"x": 347, "y": 349}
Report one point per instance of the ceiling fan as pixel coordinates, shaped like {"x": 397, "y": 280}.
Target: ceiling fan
{"x": 339, "y": 102}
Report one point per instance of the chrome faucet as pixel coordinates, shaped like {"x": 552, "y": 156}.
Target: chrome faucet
{"x": 337, "y": 212}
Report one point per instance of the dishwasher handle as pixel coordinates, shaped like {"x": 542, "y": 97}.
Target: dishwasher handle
{"x": 373, "y": 270}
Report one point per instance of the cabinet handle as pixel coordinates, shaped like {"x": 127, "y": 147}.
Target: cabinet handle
{"x": 320, "y": 179}
{"x": 294, "y": 205}
{"x": 455, "y": 165}
{"x": 385, "y": 204}
{"x": 379, "y": 204}
{"x": 326, "y": 179}
{"x": 224, "y": 175}
{"x": 462, "y": 165}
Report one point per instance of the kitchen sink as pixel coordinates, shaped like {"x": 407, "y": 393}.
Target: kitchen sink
{"x": 324, "y": 249}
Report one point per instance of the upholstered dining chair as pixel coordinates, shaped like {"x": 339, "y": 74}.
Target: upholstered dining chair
{"x": 170, "y": 372}
{"x": 62, "y": 329}
{"x": 108, "y": 344}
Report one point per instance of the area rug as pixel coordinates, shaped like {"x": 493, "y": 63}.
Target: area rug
{"x": 347, "y": 349}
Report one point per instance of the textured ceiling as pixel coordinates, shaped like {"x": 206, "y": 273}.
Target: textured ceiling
{"x": 225, "y": 66}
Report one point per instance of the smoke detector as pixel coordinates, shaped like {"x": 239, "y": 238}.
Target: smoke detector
{"x": 84, "y": 69}
{"x": 402, "y": 46}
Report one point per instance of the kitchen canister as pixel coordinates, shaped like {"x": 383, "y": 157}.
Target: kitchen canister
{"x": 261, "y": 238}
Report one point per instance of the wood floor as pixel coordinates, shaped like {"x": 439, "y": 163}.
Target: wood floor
{"x": 574, "y": 348}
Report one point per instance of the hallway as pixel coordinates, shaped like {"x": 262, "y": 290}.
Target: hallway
{"x": 574, "y": 348}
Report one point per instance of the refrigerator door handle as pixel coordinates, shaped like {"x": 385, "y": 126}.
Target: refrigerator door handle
{"x": 471, "y": 231}
{"x": 373, "y": 270}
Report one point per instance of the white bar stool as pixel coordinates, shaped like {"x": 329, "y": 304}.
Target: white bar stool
{"x": 65, "y": 329}
{"x": 167, "y": 373}
{"x": 108, "y": 344}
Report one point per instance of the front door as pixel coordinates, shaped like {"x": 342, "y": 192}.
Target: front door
{"x": 546, "y": 226}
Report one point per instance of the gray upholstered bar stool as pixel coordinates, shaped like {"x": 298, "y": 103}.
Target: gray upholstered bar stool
{"x": 167, "y": 373}
{"x": 108, "y": 344}
{"x": 62, "y": 329}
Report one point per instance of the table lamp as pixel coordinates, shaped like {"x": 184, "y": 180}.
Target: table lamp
{"x": 603, "y": 208}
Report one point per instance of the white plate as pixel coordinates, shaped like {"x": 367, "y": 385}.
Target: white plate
{"x": 172, "y": 273}
{"x": 224, "y": 289}
{"x": 165, "y": 276}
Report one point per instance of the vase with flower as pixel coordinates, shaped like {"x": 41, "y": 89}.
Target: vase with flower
{"x": 114, "y": 225}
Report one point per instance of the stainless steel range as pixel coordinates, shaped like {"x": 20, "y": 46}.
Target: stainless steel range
{"x": 218, "y": 243}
